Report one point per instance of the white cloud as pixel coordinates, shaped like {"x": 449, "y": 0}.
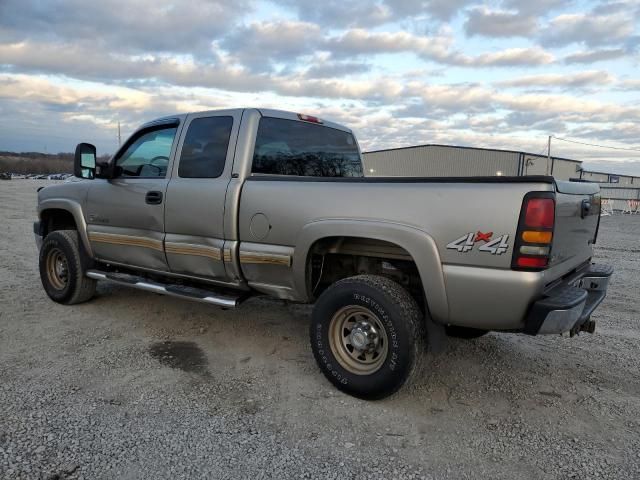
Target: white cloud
{"x": 361, "y": 42}
{"x": 576, "y": 80}
{"x": 497, "y": 23}
{"x": 392, "y": 69}
{"x": 436, "y": 48}
{"x": 535, "y": 7}
{"x": 511, "y": 57}
{"x": 587, "y": 28}
{"x": 123, "y": 25}
{"x": 260, "y": 45}
{"x": 593, "y": 56}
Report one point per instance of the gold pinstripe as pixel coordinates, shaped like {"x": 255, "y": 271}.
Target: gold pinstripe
{"x": 129, "y": 240}
{"x": 191, "y": 249}
{"x": 265, "y": 258}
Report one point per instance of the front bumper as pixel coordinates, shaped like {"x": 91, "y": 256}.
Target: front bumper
{"x": 568, "y": 307}
{"x": 37, "y": 232}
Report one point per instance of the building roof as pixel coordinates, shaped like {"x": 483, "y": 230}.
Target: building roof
{"x": 473, "y": 148}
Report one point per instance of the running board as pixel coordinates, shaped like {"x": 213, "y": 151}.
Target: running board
{"x": 180, "y": 291}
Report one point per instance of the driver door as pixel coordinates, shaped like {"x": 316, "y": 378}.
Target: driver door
{"x": 125, "y": 214}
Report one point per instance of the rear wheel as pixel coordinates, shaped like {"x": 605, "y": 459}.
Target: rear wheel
{"x": 367, "y": 335}
{"x": 61, "y": 268}
{"x": 465, "y": 332}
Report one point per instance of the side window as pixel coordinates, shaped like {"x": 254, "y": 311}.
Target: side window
{"x": 147, "y": 155}
{"x": 291, "y": 147}
{"x": 205, "y": 147}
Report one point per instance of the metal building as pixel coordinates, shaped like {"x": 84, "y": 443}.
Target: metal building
{"x": 452, "y": 161}
{"x": 611, "y": 178}
{"x": 595, "y": 176}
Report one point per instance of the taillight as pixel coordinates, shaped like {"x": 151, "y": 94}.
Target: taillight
{"x": 540, "y": 213}
{"x": 532, "y": 247}
{"x": 532, "y": 262}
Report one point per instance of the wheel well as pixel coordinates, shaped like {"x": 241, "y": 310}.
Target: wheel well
{"x": 57, "y": 219}
{"x": 334, "y": 258}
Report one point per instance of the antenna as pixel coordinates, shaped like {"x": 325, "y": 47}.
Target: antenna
{"x": 119, "y": 137}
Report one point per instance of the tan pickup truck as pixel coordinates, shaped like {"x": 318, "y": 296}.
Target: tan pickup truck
{"x": 217, "y": 206}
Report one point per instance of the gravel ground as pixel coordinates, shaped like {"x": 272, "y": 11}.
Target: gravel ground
{"x": 136, "y": 385}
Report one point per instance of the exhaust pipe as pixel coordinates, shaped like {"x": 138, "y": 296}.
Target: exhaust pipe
{"x": 589, "y": 326}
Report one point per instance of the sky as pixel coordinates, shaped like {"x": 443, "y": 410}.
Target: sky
{"x": 499, "y": 74}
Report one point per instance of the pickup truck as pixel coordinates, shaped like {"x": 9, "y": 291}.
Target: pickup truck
{"x": 218, "y": 206}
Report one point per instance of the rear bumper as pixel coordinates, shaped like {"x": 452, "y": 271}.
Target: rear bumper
{"x": 568, "y": 308}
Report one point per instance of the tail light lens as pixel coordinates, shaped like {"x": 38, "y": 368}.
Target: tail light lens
{"x": 535, "y": 232}
{"x": 533, "y": 262}
{"x": 540, "y": 213}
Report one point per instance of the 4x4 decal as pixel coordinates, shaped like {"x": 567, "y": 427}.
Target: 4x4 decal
{"x": 465, "y": 243}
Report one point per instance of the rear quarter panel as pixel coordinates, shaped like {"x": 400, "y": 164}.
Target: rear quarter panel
{"x": 442, "y": 211}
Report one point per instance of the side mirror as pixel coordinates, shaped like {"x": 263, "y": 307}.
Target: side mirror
{"x": 84, "y": 162}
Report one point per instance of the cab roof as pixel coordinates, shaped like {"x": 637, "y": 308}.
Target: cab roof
{"x": 265, "y": 112}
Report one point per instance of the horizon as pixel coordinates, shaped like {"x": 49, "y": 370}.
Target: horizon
{"x": 459, "y": 72}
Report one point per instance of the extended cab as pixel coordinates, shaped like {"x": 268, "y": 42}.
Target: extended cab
{"x": 217, "y": 206}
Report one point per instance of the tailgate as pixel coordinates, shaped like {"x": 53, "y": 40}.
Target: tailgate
{"x": 576, "y": 225}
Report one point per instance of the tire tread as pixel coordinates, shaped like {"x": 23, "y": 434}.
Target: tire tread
{"x": 411, "y": 315}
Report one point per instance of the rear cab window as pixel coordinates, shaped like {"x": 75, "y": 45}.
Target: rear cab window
{"x": 291, "y": 147}
{"x": 204, "y": 151}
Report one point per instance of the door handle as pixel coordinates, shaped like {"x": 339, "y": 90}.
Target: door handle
{"x": 154, "y": 198}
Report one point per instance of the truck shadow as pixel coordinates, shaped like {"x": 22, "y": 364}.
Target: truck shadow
{"x": 268, "y": 339}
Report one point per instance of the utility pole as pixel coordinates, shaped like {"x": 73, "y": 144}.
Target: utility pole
{"x": 120, "y": 138}
{"x": 549, "y": 155}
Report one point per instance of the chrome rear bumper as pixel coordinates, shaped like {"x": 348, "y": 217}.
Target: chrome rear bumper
{"x": 568, "y": 308}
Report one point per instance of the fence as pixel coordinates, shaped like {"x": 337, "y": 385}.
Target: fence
{"x": 620, "y": 199}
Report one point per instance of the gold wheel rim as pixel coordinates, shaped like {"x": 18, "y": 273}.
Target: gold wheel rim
{"x": 57, "y": 269}
{"x": 358, "y": 340}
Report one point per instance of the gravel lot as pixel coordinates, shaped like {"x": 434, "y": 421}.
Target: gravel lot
{"x": 136, "y": 385}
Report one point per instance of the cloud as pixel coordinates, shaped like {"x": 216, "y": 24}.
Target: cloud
{"x": 574, "y": 80}
{"x": 356, "y": 13}
{"x": 497, "y": 23}
{"x": 476, "y": 99}
{"x": 587, "y": 28}
{"x": 261, "y": 45}
{"x": 142, "y": 26}
{"x": 391, "y": 69}
{"x": 436, "y": 48}
{"x": 340, "y": 13}
{"x": 536, "y": 7}
{"x": 437, "y": 9}
{"x": 363, "y": 42}
{"x": 510, "y": 58}
{"x": 332, "y": 69}
{"x": 630, "y": 84}
{"x": 593, "y": 56}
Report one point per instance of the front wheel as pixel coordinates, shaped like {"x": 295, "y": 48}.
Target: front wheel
{"x": 61, "y": 268}
{"x": 367, "y": 335}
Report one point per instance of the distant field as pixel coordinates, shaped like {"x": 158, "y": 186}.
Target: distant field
{"x": 36, "y": 162}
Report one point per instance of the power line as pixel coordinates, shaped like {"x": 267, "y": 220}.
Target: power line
{"x": 596, "y": 145}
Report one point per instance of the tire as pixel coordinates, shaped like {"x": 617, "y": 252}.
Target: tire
{"x": 465, "y": 332}
{"x": 62, "y": 270}
{"x": 380, "y": 312}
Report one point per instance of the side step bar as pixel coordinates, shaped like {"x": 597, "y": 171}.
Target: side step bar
{"x": 180, "y": 291}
